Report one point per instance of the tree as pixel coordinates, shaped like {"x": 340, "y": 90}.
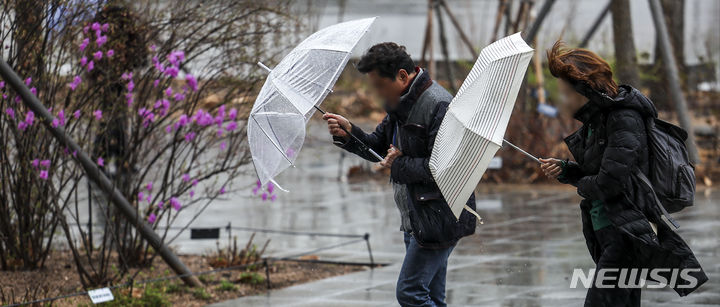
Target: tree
{"x": 626, "y": 61}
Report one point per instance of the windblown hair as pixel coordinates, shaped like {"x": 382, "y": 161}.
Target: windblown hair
{"x": 581, "y": 66}
{"x": 386, "y": 59}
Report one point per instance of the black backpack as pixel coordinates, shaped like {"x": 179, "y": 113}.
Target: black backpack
{"x": 672, "y": 175}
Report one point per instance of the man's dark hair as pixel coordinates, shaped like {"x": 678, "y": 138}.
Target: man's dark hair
{"x": 386, "y": 59}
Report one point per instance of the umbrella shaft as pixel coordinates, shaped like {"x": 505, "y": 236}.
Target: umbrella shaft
{"x": 372, "y": 152}
{"x": 522, "y": 151}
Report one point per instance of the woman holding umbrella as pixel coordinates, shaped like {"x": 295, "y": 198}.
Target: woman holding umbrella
{"x": 621, "y": 227}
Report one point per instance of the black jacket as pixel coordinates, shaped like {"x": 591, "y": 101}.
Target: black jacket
{"x": 433, "y": 223}
{"x": 604, "y": 168}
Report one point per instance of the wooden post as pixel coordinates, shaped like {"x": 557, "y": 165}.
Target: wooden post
{"x": 673, "y": 79}
{"x": 457, "y": 26}
{"x": 498, "y": 20}
{"x": 446, "y": 54}
{"x": 595, "y": 25}
{"x": 428, "y": 46}
{"x": 535, "y": 27}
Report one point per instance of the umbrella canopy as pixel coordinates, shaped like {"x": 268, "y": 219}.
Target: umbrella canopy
{"x": 287, "y": 100}
{"x": 473, "y": 128}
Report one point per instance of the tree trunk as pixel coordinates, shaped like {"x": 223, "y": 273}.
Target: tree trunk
{"x": 626, "y": 65}
{"x": 674, "y": 13}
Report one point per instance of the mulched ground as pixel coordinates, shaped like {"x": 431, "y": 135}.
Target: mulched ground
{"x": 59, "y": 277}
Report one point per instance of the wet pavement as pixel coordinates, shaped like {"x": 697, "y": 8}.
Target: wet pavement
{"x": 523, "y": 255}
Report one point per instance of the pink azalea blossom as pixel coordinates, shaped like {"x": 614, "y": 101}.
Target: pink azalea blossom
{"x": 35, "y": 162}
{"x": 86, "y": 29}
{"x": 160, "y": 205}
{"x": 105, "y": 27}
{"x": 172, "y": 71}
{"x": 192, "y": 193}
{"x": 270, "y": 187}
{"x": 90, "y": 66}
{"x": 186, "y": 177}
{"x": 141, "y": 196}
{"x": 273, "y": 198}
{"x": 175, "y": 203}
{"x": 179, "y": 96}
{"x": 76, "y": 114}
{"x": 222, "y": 190}
{"x": 189, "y": 136}
{"x": 168, "y": 128}
{"x": 156, "y": 82}
{"x": 232, "y": 114}
{"x": 149, "y": 186}
{"x": 22, "y": 126}
{"x": 110, "y": 53}
{"x": 130, "y": 86}
{"x": 84, "y": 44}
{"x": 183, "y": 120}
{"x": 28, "y": 81}
{"x": 255, "y": 190}
{"x": 176, "y": 57}
{"x": 97, "y": 55}
{"x": 151, "y": 218}
{"x": 101, "y": 40}
{"x": 55, "y": 123}
{"x": 98, "y": 114}
{"x": 44, "y": 174}
{"x": 10, "y": 113}
{"x": 194, "y": 182}
{"x": 95, "y": 26}
{"x": 191, "y": 81}
{"x": 153, "y": 47}
{"x": 45, "y": 163}
{"x": 100, "y": 161}
{"x": 223, "y": 145}
{"x": 2, "y": 84}
{"x": 29, "y": 118}
{"x": 264, "y": 196}
{"x": 231, "y": 126}
{"x": 219, "y": 132}
{"x": 33, "y": 90}
{"x": 168, "y": 91}
{"x": 75, "y": 83}
{"x": 126, "y": 75}
{"x": 83, "y": 61}
{"x": 61, "y": 116}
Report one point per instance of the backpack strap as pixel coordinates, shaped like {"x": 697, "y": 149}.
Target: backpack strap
{"x": 644, "y": 179}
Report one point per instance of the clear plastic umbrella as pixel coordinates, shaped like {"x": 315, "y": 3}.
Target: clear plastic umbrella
{"x": 473, "y": 128}
{"x": 291, "y": 93}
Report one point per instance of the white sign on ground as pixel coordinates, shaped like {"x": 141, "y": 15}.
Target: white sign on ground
{"x": 101, "y": 295}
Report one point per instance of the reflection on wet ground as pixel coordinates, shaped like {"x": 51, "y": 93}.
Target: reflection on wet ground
{"x": 523, "y": 255}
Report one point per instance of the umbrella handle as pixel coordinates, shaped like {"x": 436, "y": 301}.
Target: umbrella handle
{"x": 468, "y": 209}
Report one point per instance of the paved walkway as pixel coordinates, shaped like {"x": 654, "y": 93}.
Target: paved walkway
{"x": 524, "y": 255}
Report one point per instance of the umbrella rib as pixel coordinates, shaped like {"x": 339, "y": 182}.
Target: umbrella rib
{"x": 273, "y": 142}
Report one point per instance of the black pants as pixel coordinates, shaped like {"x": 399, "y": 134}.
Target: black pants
{"x": 616, "y": 253}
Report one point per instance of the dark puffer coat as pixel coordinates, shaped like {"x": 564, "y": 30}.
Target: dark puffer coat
{"x": 418, "y": 118}
{"x": 604, "y": 168}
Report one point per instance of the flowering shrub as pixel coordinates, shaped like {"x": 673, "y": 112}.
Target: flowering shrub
{"x": 157, "y": 101}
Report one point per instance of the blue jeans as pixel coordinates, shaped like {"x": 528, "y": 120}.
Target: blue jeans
{"x": 422, "y": 277}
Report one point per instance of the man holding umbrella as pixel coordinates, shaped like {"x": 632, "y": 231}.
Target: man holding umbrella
{"x": 415, "y": 106}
